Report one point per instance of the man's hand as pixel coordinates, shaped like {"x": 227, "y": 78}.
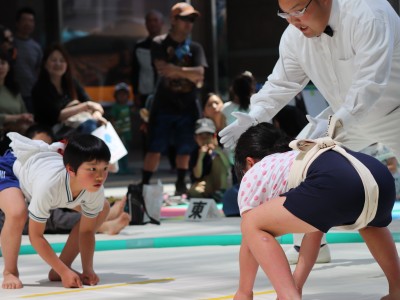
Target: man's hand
{"x": 319, "y": 127}
{"x": 231, "y": 133}
{"x": 165, "y": 69}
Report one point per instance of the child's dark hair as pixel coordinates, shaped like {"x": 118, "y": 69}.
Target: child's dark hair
{"x": 243, "y": 87}
{"x": 84, "y": 148}
{"x": 257, "y": 142}
{"x": 36, "y": 128}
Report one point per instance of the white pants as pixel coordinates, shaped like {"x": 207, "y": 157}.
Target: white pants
{"x": 383, "y": 129}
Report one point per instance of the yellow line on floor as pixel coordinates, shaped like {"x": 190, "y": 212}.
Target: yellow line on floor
{"x": 100, "y": 287}
{"x": 231, "y": 296}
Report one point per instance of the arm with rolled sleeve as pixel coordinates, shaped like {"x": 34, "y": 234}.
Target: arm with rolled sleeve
{"x": 286, "y": 81}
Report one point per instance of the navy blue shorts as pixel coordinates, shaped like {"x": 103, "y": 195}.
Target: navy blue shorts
{"x": 333, "y": 195}
{"x": 168, "y": 129}
{"x": 7, "y": 177}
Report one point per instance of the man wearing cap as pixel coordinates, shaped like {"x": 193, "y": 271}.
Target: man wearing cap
{"x": 209, "y": 165}
{"x": 180, "y": 64}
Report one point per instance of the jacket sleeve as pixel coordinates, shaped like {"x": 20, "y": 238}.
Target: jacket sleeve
{"x": 285, "y": 82}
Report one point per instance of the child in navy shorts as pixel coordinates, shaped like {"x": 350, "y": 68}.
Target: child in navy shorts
{"x": 331, "y": 194}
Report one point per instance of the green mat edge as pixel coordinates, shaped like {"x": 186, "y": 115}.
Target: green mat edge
{"x": 201, "y": 240}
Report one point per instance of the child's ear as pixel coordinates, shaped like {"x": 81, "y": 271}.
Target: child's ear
{"x": 70, "y": 170}
{"x": 250, "y": 162}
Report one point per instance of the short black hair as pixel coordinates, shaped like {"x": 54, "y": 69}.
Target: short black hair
{"x": 84, "y": 148}
{"x": 37, "y": 128}
{"x": 24, "y": 10}
{"x": 257, "y": 142}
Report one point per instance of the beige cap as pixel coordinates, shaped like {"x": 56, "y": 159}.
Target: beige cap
{"x": 183, "y": 9}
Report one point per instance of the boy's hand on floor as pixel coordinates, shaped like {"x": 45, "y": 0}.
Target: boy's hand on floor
{"x": 71, "y": 280}
{"x": 90, "y": 278}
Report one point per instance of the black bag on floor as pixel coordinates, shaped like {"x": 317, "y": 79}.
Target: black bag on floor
{"x": 136, "y": 207}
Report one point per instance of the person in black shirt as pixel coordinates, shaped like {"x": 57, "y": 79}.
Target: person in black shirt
{"x": 180, "y": 64}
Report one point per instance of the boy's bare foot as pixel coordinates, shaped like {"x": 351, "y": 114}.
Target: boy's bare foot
{"x": 243, "y": 296}
{"x": 117, "y": 209}
{"x": 115, "y": 226}
{"x": 53, "y": 275}
{"x": 11, "y": 281}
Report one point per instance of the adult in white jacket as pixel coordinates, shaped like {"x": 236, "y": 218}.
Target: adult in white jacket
{"x": 357, "y": 70}
{"x": 350, "y": 50}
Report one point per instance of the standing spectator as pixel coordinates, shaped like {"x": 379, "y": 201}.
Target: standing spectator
{"x": 180, "y": 64}
{"x": 30, "y": 54}
{"x": 121, "y": 118}
{"x": 57, "y": 96}
{"x": 13, "y": 113}
{"x": 144, "y": 76}
{"x": 209, "y": 165}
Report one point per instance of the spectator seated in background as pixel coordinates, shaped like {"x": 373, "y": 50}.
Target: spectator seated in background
{"x": 59, "y": 101}
{"x": 121, "y": 113}
{"x": 209, "y": 165}
{"x": 7, "y": 43}
{"x": 13, "y": 113}
{"x": 212, "y": 109}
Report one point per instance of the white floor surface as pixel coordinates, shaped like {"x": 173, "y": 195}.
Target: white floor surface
{"x": 202, "y": 272}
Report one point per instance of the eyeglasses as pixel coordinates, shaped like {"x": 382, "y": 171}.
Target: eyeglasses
{"x": 296, "y": 14}
{"x": 189, "y": 19}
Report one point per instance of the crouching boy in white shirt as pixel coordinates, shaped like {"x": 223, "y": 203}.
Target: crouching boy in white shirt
{"x": 52, "y": 177}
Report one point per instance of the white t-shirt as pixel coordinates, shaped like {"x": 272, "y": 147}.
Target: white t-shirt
{"x": 45, "y": 182}
{"x": 267, "y": 179}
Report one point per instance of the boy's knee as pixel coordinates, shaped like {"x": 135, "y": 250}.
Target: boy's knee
{"x": 18, "y": 217}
